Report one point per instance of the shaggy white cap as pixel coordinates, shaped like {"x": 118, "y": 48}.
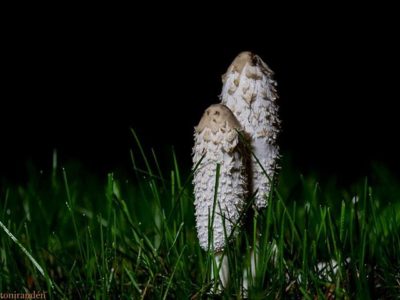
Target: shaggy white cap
{"x": 249, "y": 91}
{"x": 217, "y": 139}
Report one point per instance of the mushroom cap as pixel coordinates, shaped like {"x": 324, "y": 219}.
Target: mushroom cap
{"x": 217, "y": 142}
{"x": 249, "y": 91}
{"x": 243, "y": 58}
{"x": 216, "y": 117}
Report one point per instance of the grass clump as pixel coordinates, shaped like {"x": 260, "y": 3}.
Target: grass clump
{"x": 76, "y": 235}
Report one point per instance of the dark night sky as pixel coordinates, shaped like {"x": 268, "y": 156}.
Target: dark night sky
{"x": 80, "y": 88}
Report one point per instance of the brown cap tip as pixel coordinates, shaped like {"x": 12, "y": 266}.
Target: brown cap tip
{"x": 217, "y": 116}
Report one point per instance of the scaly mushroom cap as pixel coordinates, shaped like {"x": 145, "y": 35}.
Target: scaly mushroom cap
{"x": 217, "y": 142}
{"x": 217, "y": 116}
{"x": 249, "y": 91}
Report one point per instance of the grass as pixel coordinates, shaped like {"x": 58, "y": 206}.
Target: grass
{"x": 76, "y": 236}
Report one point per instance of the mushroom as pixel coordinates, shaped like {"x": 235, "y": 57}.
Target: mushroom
{"x": 217, "y": 143}
{"x": 249, "y": 91}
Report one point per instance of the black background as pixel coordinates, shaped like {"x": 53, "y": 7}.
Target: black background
{"x": 79, "y": 87}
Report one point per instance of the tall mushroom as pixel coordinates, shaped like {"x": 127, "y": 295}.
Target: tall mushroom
{"x": 217, "y": 143}
{"x": 249, "y": 91}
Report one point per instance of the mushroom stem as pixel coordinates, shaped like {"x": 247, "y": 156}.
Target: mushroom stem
{"x": 220, "y": 267}
{"x": 252, "y": 269}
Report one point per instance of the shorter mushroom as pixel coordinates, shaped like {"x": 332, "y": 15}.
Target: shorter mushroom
{"x": 217, "y": 143}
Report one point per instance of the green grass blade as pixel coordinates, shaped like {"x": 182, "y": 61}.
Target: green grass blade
{"x": 173, "y": 273}
{"x": 30, "y": 257}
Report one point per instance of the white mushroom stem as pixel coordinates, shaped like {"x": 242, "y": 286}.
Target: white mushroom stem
{"x": 250, "y": 271}
{"x": 249, "y": 91}
{"x": 220, "y": 267}
{"x": 217, "y": 143}
{"x": 253, "y": 259}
